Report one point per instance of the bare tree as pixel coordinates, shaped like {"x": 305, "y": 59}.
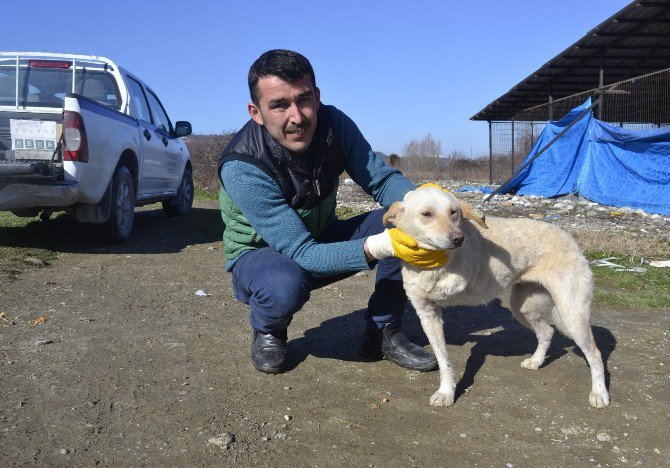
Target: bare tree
{"x": 427, "y": 147}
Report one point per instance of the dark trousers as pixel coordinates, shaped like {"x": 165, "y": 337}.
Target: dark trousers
{"x": 275, "y": 287}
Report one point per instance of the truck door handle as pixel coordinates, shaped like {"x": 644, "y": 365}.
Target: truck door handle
{"x": 164, "y": 140}
{"x": 147, "y": 134}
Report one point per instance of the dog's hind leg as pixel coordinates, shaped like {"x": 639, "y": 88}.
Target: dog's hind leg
{"x": 430, "y": 315}
{"x": 527, "y": 302}
{"x": 572, "y": 313}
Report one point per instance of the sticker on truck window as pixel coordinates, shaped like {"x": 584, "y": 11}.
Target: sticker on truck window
{"x": 33, "y": 139}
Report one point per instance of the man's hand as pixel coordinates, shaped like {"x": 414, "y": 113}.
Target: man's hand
{"x": 395, "y": 243}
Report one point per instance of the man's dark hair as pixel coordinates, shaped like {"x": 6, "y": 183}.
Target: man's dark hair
{"x": 288, "y": 65}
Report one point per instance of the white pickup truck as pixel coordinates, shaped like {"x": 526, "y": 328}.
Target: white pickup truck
{"x": 81, "y": 134}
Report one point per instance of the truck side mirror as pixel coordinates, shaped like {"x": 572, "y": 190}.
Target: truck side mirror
{"x": 182, "y": 128}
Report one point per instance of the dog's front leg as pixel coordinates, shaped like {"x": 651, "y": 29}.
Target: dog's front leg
{"x": 430, "y": 315}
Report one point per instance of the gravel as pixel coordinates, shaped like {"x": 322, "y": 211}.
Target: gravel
{"x": 571, "y": 212}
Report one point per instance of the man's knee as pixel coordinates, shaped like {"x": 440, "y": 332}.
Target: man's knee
{"x": 283, "y": 296}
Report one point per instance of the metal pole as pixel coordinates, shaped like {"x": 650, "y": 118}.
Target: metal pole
{"x": 74, "y": 71}
{"x": 490, "y": 155}
{"x": 17, "y": 81}
{"x": 551, "y": 107}
{"x": 512, "y": 145}
{"x": 601, "y": 82}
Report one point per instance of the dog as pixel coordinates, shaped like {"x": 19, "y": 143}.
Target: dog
{"x": 536, "y": 266}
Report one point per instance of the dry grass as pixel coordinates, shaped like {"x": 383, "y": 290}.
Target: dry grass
{"x": 205, "y": 151}
{"x": 456, "y": 168}
{"x": 621, "y": 244}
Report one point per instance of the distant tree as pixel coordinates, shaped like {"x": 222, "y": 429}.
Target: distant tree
{"x": 393, "y": 159}
{"x": 427, "y": 147}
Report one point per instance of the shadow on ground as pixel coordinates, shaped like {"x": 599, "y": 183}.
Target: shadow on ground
{"x": 491, "y": 328}
{"x": 153, "y": 233}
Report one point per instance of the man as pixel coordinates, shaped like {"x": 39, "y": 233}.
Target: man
{"x": 279, "y": 177}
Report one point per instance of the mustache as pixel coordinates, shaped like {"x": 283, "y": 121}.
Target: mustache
{"x": 297, "y": 128}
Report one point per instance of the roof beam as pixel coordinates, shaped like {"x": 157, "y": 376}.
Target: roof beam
{"x": 630, "y": 34}
{"x": 614, "y": 57}
{"x": 569, "y": 84}
{"x": 623, "y": 47}
{"x": 646, "y": 3}
{"x": 607, "y": 67}
{"x": 642, "y": 20}
{"x": 574, "y": 75}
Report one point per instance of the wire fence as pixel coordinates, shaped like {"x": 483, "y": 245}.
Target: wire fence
{"x": 637, "y": 103}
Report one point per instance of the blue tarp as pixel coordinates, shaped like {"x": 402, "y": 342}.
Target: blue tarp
{"x": 472, "y": 188}
{"x": 601, "y": 162}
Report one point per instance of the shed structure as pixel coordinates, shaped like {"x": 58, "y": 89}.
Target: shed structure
{"x": 624, "y": 61}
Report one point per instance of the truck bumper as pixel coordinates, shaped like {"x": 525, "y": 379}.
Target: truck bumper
{"x": 35, "y": 194}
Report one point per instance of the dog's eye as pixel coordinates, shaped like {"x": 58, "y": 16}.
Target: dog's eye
{"x": 453, "y": 212}
{"x": 427, "y": 214}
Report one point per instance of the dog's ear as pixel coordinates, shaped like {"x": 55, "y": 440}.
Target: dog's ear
{"x": 470, "y": 213}
{"x": 390, "y": 216}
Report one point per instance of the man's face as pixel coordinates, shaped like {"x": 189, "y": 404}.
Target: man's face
{"x": 287, "y": 110}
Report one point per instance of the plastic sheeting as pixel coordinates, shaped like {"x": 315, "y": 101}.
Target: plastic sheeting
{"x": 601, "y": 162}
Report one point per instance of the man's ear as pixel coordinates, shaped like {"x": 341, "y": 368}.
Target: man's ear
{"x": 317, "y": 92}
{"x": 391, "y": 215}
{"x": 255, "y": 113}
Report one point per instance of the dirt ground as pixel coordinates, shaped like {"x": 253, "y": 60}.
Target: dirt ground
{"x": 132, "y": 368}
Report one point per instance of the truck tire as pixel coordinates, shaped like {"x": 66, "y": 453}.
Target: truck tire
{"x": 181, "y": 204}
{"x": 118, "y": 226}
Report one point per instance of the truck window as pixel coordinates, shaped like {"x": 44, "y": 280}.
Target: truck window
{"x": 160, "y": 116}
{"x": 7, "y": 86}
{"x": 47, "y": 86}
{"x": 139, "y": 108}
{"x": 99, "y": 86}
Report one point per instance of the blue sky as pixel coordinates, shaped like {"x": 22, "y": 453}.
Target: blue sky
{"x": 400, "y": 69}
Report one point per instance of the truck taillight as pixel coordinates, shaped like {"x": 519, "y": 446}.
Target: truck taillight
{"x": 74, "y": 138}
{"x": 50, "y": 63}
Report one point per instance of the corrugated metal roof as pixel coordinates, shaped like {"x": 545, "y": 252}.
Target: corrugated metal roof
{"x": 635, "y": 41}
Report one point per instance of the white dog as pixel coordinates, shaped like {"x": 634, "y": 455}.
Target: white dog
{"x": 535, "y": 265}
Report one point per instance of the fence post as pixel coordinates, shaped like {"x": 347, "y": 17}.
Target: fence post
{"x": 490, "y": 155}
{"x": 512, "y": 146}
{"x": 601, "y": 83}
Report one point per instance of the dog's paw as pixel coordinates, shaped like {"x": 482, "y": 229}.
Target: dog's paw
{"x": 599, "y": 400}
{"x": 442, "y": 399}
{"x": 531, "y": 364}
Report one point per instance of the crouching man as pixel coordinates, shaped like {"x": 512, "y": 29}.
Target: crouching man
{"x": 282, "y": 239}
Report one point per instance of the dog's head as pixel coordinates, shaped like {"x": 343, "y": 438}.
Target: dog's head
{"x": 432, "y": 217}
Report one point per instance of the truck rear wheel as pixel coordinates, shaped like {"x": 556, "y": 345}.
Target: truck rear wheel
{"x": 118, "y": 226}
{"x": 181, "y": 204}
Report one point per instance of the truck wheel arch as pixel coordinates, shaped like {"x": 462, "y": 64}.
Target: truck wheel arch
{"x": 129, "y": 159}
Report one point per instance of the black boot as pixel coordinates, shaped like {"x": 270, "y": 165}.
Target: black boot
{"x": 268, "y": 352}
{"x": 391, "y": 344}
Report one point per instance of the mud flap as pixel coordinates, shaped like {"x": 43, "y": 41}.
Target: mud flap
{"x": 98, "y": 213}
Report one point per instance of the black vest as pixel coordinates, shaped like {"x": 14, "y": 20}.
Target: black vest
{"x": 303, "y": 186}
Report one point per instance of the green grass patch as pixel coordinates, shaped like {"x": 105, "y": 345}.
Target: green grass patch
{"x": 206, "y": 195}
{"x": 17, "y": 252}
{"x": 346, "y": 212}
{"x": 628, "y": 289}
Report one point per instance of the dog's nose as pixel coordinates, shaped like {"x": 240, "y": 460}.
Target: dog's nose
{"x": 456, "y": 238}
